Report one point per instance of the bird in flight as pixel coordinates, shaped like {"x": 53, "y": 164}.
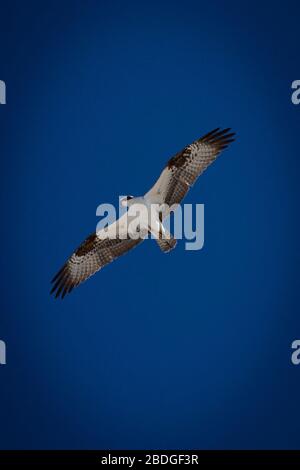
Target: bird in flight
{"x": 104, "y": 246}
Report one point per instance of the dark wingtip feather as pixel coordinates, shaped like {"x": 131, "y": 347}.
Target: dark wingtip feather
{"x": 59, "y": 290}
{"x": 60, "y": 281}
{"x": 207, "y": 136}
{"x": 219, "y": 138}
{"x": 58, "y": 274}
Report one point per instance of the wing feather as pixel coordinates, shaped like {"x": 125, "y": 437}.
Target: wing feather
{"x": 186, "y": 166}
{"x": 93, "y": 254}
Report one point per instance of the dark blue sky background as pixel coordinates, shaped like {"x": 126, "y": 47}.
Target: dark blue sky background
{"x": 186, "y": 350}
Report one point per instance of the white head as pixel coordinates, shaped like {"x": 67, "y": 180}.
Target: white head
{"x": 125, "y": 201}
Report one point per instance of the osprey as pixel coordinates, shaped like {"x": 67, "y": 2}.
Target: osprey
{"x": 104, "y": 246}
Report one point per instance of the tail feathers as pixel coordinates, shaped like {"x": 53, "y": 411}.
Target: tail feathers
{"x": 166, "y": 244}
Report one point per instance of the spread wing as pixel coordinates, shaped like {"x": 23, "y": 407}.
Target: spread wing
{"x": 94, "y": 253}
{"x": 186, "y": 166}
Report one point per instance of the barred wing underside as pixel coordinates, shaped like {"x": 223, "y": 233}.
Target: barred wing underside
{"x": 186, "y": 166}
{"x": 92, "y": 255}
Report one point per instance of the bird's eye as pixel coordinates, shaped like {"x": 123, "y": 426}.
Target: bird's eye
{"x": 129, "y": 197}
